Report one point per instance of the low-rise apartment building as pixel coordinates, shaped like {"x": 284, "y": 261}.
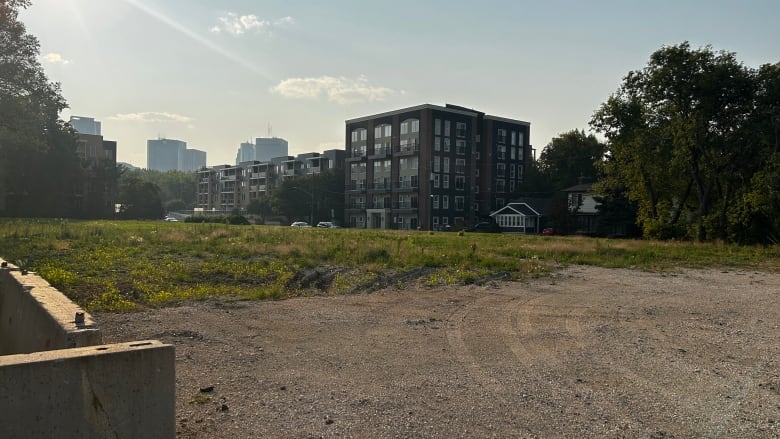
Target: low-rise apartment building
{"x": 226, "y": 187}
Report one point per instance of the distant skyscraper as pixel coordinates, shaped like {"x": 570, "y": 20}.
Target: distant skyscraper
{"x": 164, "y": 154}
{"x": 85, "y": 125}
{"x": 246, "y": 153}
{"x": 267, "y": 148}
{"x": 192, "y": 160}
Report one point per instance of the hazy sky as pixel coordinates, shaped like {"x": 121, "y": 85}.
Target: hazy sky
{"x": 216, "y": 73}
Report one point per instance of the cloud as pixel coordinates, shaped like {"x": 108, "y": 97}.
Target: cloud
{"x": 151, "y": 116}
{"x": 235, "y": 24}
{"x": 341, "y": 90}
{"x": 55, "y": 58}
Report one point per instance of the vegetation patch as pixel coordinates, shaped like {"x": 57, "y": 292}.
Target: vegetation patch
{"x": 124, "y": 265}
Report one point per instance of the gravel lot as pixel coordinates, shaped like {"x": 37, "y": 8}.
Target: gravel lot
{"x": 587, "y": 352}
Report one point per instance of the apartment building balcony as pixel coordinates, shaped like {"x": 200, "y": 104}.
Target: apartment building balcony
{"x": 356, "y": 206}
{"x": 259, "y": 175}
{"x": 380, "y": 187}
{"x": 382, "y": 151}
{"x": 404, "y": 205}
{"x": 356, "y": 187}
{"x": 406, "y": 185}
{"x": 407, "y": 149}
{"x": 228, "y": 178}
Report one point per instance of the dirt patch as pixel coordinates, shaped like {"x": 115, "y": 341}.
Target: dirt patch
{"x": 587, "y": 352}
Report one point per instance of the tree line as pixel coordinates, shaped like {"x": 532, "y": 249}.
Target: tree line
{"x": 689, "y": 151}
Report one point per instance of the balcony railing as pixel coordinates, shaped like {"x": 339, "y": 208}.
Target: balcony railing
{"x": 406, "y": 185}
{"x": 356, "y": 205}
{"x": 381, "y": 186}
{"x": 382, "y": 151}
{"x": 409, "y": 148}
{"x": 405, "y": 205}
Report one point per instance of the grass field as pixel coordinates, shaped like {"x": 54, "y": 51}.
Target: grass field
{"x": 121, "y": 265}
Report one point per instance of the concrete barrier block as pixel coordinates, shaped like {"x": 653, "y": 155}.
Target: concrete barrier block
{"x": 124, "y": 390}
{"x": 34, "y": 316}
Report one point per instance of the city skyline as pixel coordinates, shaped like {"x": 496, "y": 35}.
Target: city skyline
{"x": 215, "y": 74}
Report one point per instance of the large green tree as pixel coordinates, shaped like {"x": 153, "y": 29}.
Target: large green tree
{"x": 177, "y": 189}
{"x": 685, "y": 140}
{"x": 319, "y": 194}
{"x": 569, "y": 158}
{"x": 40, "y": 172}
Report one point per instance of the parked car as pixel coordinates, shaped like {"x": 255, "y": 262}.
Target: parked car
{"x": 171, "y": 219}
{"x": 485, "y": 227}
{"x": 300, "y": 224}
{"x": 549, "y": 231}
{"x": 327, "y": 225}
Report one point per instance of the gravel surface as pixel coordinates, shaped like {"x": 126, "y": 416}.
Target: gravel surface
{"x": 587, "y": 352}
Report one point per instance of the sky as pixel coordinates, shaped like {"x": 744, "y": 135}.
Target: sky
{"x": 215, "y": 73}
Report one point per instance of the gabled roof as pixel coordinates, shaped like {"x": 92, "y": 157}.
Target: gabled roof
{"x": 517, "y": 208}
{"x": 584, "y": 187}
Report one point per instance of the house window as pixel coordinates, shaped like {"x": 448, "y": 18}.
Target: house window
{"x": 446, "y": 128}
{"x": 437, "y": 143}
{"x": 437, "y": 127}
{"x": 511, "y": 171}
{"x": 436, "y": 163}
{"x": 511, "y": 185}
{"x": 436, "y": 180}
{"x": 501, "y": 152}
{"x": 415, "y": 126}
{"x": 512, "y": 153}
{"x": 445, "y": 203}
{"x": 445, "y": 182}
{"x": 520, "y": 139}
{"x": 460, "y": 182}
{"x": 436, "y": 221}
{"x": 446, "y": 144}
{"x": 500, "y": 169}
{"x": 435, "y": 201}
{"x": 459, "y": 203}
{"x": 500, "y": 185}
{"x": 388, "y": 131}
{"x": 446, "y": 165}
{"x": 445, "y": 220}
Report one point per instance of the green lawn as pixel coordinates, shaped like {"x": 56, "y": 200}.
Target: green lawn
{"x": 120, "y": 265}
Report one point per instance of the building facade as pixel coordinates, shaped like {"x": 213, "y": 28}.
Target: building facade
{"x": 192, "y": 160}
{"x": 164, "y": 154}
{"x": 224, "y": 188}
{"x": 267, "y": 148}
{"x": 431, "y": 166}
{"x": 85, "y": 125}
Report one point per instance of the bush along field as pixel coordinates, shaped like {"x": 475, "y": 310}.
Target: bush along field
{"x": 123, "y": 265}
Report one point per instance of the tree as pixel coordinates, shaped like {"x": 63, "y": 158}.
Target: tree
{"x": 178, "y": 187}
{"x": 39, "y": 167}
{"x": 570, "y": 158}
{"x": 681, "y": 140}
{"x": 319, "y": 194}
{"x": 261, "y": 207}
{"x": 139, "y": 199}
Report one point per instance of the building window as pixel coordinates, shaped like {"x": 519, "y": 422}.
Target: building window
{"x": 476, "y": 172}
{"x": 445, "y": 220}
{"x": 460, "y": 166}
{"x": 511, "y": 171}
{"x": 445, "y": 181}
{"x": 435, "y": 201}
{"x": 437, "y": 143}
{"x": 500, "y": 185}
{"x": 501, "y": 152}
{"x": 446, "y": 144}
{"x": 460, "y": 147}
{"x": 446, "y": 165}
{"x": 500, "y": 170}
{"x": 415, "y": 126}
{"x": 511, "y": 186}
{"x": 499, "y": 203}
{"x": 512, "y": 153}
{"x": 514, "y": 138}
{"x": 437, "y": 127}
{"x": 459, "y": 203}
{"x": 460, "y": 130}
{"x": 501, "y": 135}
{"x": 520, "y": 139}
{"x": 476, "y": 188}
{"x": 445, "y": 203}
{"x": 404, "y": 128}
{"x": 460, "y": 182}
{"x": 436, "y": 163}
{"x": 436, "y": 180}
{"x": 446, "y": 128}
{"x": 436, "y": 221}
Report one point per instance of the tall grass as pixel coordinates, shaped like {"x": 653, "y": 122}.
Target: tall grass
{"x": 120, "y": 265}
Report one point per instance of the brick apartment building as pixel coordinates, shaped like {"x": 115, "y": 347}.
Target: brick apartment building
{"x": 430, "y": 166}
